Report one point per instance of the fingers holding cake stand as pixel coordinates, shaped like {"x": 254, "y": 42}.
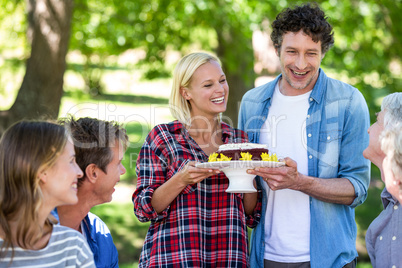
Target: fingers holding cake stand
{"x": 236, "y": 171}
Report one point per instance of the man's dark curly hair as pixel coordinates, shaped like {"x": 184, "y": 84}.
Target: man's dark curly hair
{"x": 309, "y": 18}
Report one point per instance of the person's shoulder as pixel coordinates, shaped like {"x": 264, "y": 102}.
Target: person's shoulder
{"x": 171, "y": 127}
{"x": 256, "y": 94}
{"x": 340, "y": 88}
{"x": 61, "y": 232}
{"x": 97, "y": 223}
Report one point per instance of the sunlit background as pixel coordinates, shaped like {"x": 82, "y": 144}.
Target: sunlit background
{"x": 122, "y": 53}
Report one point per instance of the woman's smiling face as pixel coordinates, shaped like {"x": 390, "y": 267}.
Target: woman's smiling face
{"x": 208, "y": 90}
{"x": 60, "y": 180}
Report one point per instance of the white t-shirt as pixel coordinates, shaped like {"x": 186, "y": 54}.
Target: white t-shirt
{"x": 287, "y": 220}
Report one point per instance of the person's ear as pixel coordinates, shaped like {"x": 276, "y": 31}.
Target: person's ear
{"x": 42, "y": 175}
{"x": 92, "y": 172}
{"x": 277, "y": 52}
{"x": 184, "y": 92}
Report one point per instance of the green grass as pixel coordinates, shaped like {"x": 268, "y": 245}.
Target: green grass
{"x": 127, "y": 232}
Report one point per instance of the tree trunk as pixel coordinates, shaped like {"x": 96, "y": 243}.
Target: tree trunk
{"x": 40, "y": 94}
{"x": 235, "y": 50}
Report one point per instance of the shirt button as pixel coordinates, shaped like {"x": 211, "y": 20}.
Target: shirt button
{"x": 395, "y": 207}
{"x": 311, "y": 99}
{"x": 308, "y": 116}
{"x": 394, "y": 237}
{"x": 393, "y": 266}
{"x": 329, "y": 137}
{"x": 310, "y": 156}
{"x": 380, "y": 237}
{"x": 309, "y": 135}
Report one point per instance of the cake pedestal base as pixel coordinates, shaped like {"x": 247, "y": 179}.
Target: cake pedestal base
{"x": 239, "y": 180}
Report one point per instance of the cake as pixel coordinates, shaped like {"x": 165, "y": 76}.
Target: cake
{"x": 242, "y": 151}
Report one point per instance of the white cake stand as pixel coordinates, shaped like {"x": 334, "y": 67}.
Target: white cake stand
{"x": 239, "y": 180}
{"x": 236, "y": 171}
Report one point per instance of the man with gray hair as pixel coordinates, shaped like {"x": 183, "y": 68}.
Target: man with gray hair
{"x": 384, "y": 232}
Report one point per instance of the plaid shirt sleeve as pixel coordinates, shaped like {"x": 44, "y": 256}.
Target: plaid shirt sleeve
{"x": 253, "y": 219}
{"x": 151, "y": 172}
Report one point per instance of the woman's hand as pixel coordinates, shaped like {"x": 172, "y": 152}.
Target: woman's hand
{"x": 190, "y": 174}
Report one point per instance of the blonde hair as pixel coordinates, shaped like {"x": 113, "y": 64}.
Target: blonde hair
{"x": 26, "y": 148}
{"x": 179, "y": 107}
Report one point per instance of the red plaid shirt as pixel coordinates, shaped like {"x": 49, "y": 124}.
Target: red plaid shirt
{"x": 204, "y": 226}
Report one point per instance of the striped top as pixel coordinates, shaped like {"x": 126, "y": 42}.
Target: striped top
{"x": 66, "y": 248}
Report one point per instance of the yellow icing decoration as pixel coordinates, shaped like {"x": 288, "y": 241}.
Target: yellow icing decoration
{"x": 265, "y": 157}
{"x": 224, "y": 158}
{"x": 246, "y": 156}
{"x": 268, "y": 157}
{"x": 213, "y": 157}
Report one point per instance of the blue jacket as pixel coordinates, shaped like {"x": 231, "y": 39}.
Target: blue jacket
{"x": 99, "y": 239}
{"x": 336, "y": 127}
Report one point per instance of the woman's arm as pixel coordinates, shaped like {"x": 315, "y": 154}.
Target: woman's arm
{"x": 167, "y": 192}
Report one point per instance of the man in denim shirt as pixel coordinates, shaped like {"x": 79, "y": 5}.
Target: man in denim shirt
{"x": 99, "y": 147}
{"x": 319, "y": 125}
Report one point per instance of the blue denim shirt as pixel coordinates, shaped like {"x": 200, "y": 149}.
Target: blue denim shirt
{"x": 337, "y": 120}
{"x": 100, "y": 241}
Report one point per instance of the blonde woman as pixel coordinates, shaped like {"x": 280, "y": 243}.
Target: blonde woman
{"x": 194, "y": 222}
{"x": 37, "y": 173}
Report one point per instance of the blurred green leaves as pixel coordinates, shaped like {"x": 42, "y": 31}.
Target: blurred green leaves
{"x": 367, "y": 51}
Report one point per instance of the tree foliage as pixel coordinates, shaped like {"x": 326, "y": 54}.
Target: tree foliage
{"x": 367, "y": 51}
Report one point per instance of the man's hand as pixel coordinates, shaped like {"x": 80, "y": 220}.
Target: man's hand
{"x": 285, "y": 177}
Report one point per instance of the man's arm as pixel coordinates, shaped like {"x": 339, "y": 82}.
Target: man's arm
{"x": 332, "y": 190}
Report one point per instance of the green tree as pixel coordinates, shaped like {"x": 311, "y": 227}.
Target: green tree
{"x": 366, "y": 53}
{"x": 49, "y": 25}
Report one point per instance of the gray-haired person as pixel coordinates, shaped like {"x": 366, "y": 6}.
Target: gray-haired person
{"x": 384, "y": 232}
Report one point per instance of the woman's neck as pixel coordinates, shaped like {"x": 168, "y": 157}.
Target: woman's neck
{"x": 203, "y": 127}
{"x": 207, "y": 134}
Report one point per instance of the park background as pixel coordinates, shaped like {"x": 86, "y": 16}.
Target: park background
{"x": 113, "y": 60}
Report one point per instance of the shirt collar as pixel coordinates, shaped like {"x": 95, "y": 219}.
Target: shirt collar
{"x": 316, "y": 94}
{"x": 387, "y": 198}
{"x": 227, "y": 131}
{"x": 88, "y": 228}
